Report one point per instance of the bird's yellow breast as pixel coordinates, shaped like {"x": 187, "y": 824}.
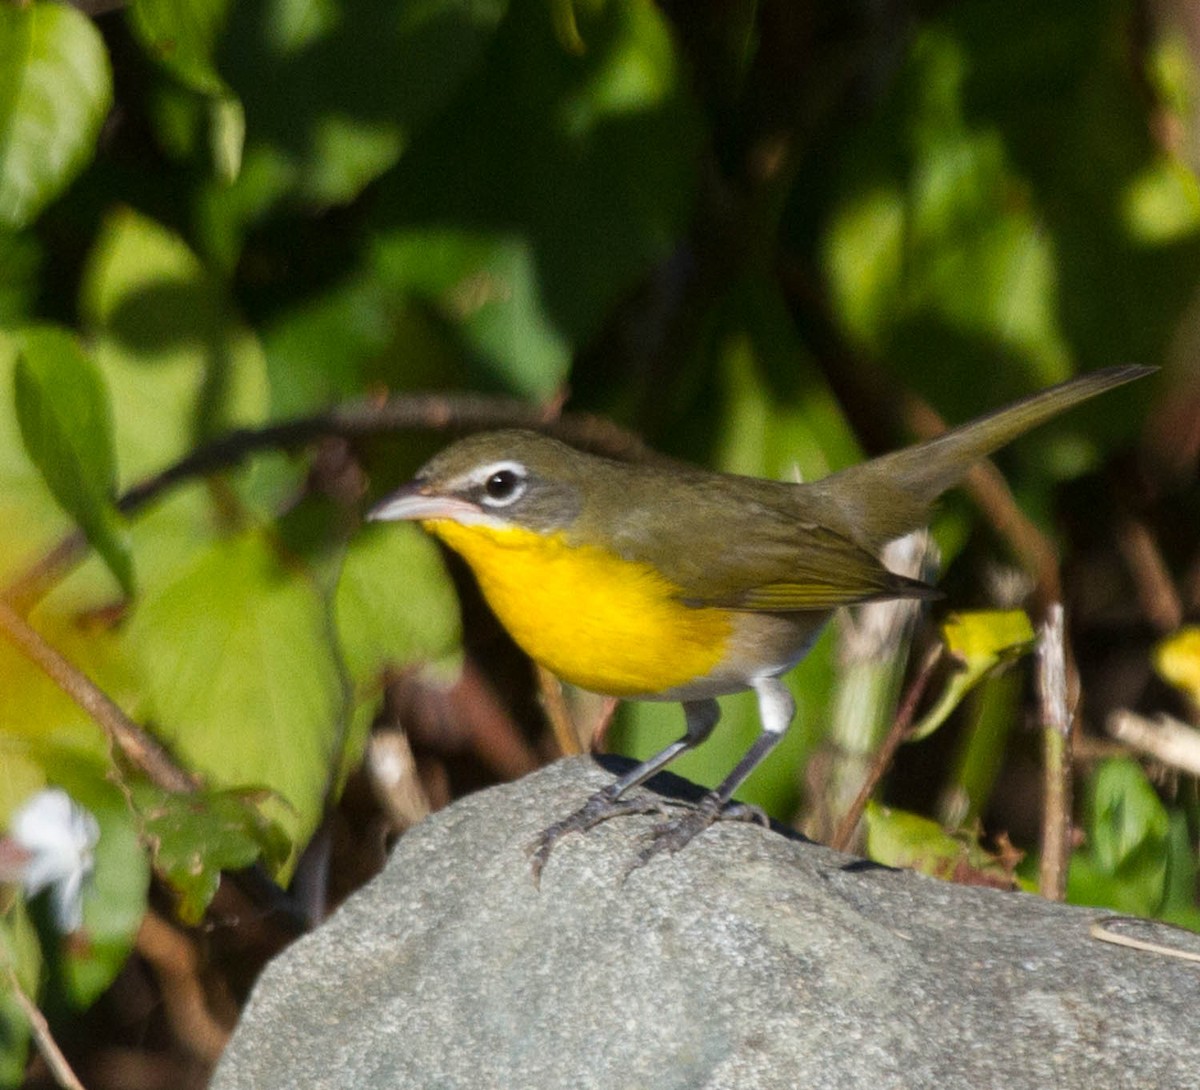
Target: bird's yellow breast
{"x": 596, "y": 620}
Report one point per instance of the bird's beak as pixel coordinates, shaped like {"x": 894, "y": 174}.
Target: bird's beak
{"x": 414, "y": 503}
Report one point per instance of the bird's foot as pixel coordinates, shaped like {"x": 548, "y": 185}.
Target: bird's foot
{"x": 677, "y": 832}
{"x": 601, "y": 807}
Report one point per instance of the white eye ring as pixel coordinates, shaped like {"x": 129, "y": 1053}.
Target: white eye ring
{"x": 502, "y": 483}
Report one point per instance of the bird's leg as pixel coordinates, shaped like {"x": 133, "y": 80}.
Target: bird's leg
{"x": 776, "y": 707}
{"x": 700, "y": 718}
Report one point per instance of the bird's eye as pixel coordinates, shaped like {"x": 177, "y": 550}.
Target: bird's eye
{"x": 504, "y": 486}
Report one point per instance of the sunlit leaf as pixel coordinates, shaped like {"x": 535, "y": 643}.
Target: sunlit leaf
{"x": 1179, "y": 901}
{"x": 489, "y": 290}
{"x": 240, "y": 678}
{"x": 394, "y": 607}
{"x": 179, "y": 363}
{"x": 30, "y": 518}
{"x": 1128, "y": 820}
{"x": 1177, "y": 660}
{"x": 38, "y": 721}
{"x": 335, "y": 94}
{"x": 20, "y": 775}
{"x": 902, "y": 839}
{"x": 55, "y": 90}
{"x": 586, "y": 160}
{"x": 227, "y": 137}
{"x": 978, "y": 643}
{"x": 394, "y": 602}
{"x": 66, "y": 423}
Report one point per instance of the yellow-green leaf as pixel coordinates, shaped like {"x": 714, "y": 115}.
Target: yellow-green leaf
{"x": 979, "y": 643}
{"x": 1177, "y": 660}
{"x": 241, "y": 679}
{"x": 66, "y": 424}
{"x": 898, "y": 838}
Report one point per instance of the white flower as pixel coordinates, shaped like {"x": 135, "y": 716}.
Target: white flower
{"x": 59, "y": 836}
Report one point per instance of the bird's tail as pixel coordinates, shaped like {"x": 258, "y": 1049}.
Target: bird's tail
{"x": 891, "y": 495}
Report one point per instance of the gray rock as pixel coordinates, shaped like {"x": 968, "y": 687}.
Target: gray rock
{"x": 749, "y": 960}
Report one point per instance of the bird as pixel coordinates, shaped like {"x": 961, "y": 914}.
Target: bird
{"x": 659, "y": 580}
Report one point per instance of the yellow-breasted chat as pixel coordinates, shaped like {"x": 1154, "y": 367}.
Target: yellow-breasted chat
{"x": 662, "y": 581}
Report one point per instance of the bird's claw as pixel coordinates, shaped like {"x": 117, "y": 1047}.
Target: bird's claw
{"x": 672, "y": 835}
{"x": 601, "y": 807}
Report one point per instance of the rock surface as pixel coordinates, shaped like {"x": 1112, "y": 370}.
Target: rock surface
{"x": 749, "y": 960}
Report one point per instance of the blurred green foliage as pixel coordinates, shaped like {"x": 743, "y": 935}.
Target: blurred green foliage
{"x": 743, "y": 230}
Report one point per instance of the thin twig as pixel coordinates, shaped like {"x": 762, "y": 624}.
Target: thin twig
{"x": 566, "y": 734}
{"x": 392, "y": 769}
{"x": 355, "y": 420}
{"x": 1156, "y": 592}
{"x": 43, "y": 1039}
{"x": 141, "y": 750}
{"x": 1100, "y": 931}
{"x": 899, "y": 730}
{"x": 597, "y": 734}
{"x": 1165, "y": 739}
{"x": 1057, "y": 715}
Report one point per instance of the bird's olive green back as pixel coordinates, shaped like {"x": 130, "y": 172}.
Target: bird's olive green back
{"x": 749, "y": 544}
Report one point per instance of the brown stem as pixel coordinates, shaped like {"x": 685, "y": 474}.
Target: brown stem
{"x": 176, "y": 964}
{"x": 1057, "y": 715}
{"x": 901, "y": 725}
{"x": 555, "y": 705}
{"x": 1152, "y": 578}
{"x": 141, "y": 750}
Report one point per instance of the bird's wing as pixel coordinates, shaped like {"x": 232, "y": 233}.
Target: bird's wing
{"x": 753, "y": 547}
{"x": 816, "y": 570}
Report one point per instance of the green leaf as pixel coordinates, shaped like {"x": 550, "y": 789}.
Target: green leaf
{"x": 979, "y": 643}
{"x": 335, "y": 92}
{"x": 197, "y": 836}
{"x": 31, "y": 520}
{"x": 66, "y": 423}
{"x": 394, "y": 607}
{"x": 898, "y": 838}
{"x": 395, "y": 604}
{"x": 587, "y": 159}
{"x": 227, "y": 137}
{"x": 240, "y": 678}
{"x": 181, "y": 35}
{"x": 1180, "y": 899}
{"x": 179, "y": 363}
{"x": 1128, "y": 825}
{"x": 55, "y": 90}
{"x": 1124, "y": 863}
{"x": 487, "y": 288}
{"x": 933, "y": 238}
